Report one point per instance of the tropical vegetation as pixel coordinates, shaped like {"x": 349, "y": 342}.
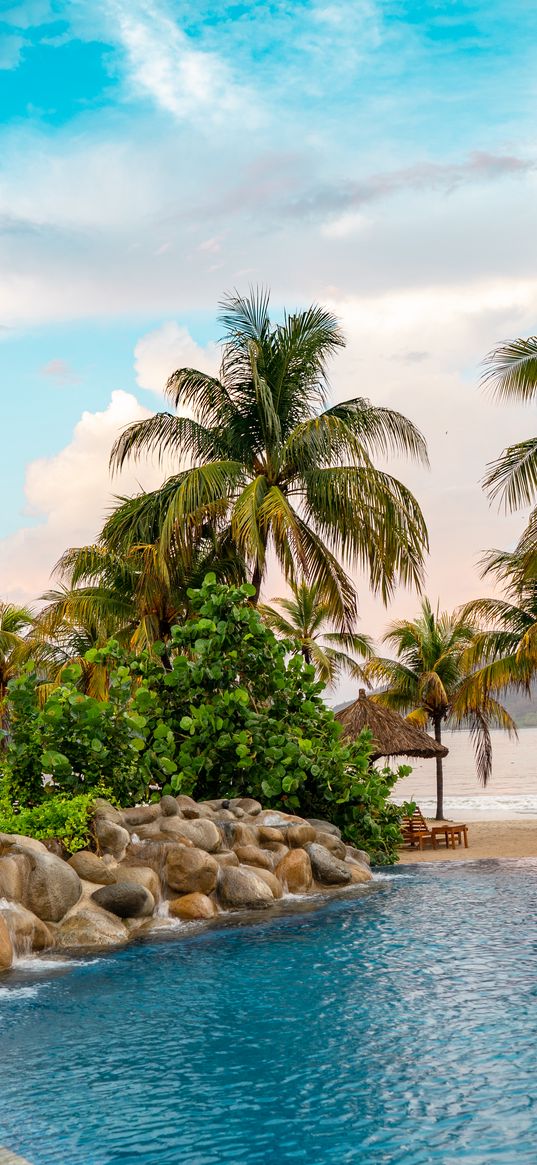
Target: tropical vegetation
{"x": 305, "y": 620}
{"x": 434, "y": 680}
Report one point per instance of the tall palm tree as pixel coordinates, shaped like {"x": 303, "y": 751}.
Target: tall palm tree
{"x": 288, "y": 473}
{"x": 431, "y": 680}
{"x": 511, "y": 373}
{"x": 15, "y": 627}
{"x": 308, "y": 623}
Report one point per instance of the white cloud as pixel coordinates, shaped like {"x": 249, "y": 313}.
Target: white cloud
{"x": 11, "y": 48}
{"x": 70, "y": 494}
{"x": 162, "y": 351}
{"x": 185, "y": 81}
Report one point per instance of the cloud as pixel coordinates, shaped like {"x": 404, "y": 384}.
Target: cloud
{"x": 163, "y": 64}
{"x": 162, "y": 351}
{"x": 11, "y": 49}
{"x": 69, "y": 495}
{"x": 60, "y": 371}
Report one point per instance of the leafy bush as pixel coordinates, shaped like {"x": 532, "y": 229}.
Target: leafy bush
{"x": 64, "y": 819}
{"x": 231, "y": 713}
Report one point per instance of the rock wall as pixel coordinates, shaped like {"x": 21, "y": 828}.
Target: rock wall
{"x": 192, "y": 860}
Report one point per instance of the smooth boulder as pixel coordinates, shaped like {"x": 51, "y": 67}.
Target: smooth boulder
{"x": 333, "y": 844}
{"x": 139, "y": 876}
{"x": 251, "y": 855}
{"x": 91, "y": 868}
{"x": 90, "y": 927}
{"x": 14, "y": 870}
{"x": 6, "y": 946}
{"x": 297, "y": 836}
{"x": 125, "y": 899}
{"x": 51, "y": 888}
{"x": 189, "y": 870}
{"x": 294, "y": 871}
{"x": 112, "y": 837}
{"x": 28, "y": 932}
{"x": 204, "y": 834}
{"x": 192, "y": 906}
{"x": 327, "y": 869}
{"x": 242, "y": 889}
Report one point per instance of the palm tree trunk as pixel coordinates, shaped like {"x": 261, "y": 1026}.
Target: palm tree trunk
{"x": 437, "y": 721}
{"x": 257, "y": 579}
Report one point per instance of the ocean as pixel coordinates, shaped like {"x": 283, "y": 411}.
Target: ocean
{"x": 511, "y": 792}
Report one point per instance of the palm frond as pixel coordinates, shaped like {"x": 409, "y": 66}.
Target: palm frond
{"x": 510, "y": 370}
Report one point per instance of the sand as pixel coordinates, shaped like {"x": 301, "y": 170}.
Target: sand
{"x": 486, "y": 839}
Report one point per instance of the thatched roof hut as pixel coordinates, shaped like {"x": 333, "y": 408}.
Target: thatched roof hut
{"x": 392, "y": 734}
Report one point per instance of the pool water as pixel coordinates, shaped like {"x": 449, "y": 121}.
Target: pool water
{"x": 399, "y": 1026}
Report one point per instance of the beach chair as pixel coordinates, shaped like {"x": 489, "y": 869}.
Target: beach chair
{"x": 416, "y": 831}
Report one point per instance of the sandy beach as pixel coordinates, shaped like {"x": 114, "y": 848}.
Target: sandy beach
{"x": 486, "y": 839}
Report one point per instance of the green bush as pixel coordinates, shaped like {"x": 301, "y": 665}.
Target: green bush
{"x": 64, "y": 819}
{"x": 231, "y": 713}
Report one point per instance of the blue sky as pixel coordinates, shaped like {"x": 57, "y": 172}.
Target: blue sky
{"x": 377, "y": 156}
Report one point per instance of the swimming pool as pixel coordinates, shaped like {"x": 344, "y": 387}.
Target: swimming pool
{"x": 396, "y": 1027}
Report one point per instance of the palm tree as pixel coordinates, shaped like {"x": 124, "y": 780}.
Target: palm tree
{"x": 511, "y": 372}
{"x": 264, "y": 453}
{"x": 15, "y": 625}
{"x": 307, "y": 622}
{"x": 431, "y": 680}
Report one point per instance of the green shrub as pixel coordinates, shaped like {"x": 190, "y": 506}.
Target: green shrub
{"x": 64, "y": 819}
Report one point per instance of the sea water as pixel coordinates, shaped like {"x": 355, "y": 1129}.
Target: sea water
{"x": 396, "y": 1026}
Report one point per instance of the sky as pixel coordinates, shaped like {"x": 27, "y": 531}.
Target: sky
{"x": 376, "y": 156}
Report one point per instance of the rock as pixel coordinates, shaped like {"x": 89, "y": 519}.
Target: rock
{"x": 236, "y": 833}
{"x": 173, "y": 826}
{"x": 270, "y": 880}
{"x": 151, "y": 831}
{"x": 359, "y": 872}
{"x": 294, "y": 871}
{"x": 51, "y": 888}
{"x": 222, "y": 815}
{"x": 23, "y": 843}
{"x": 140, "y": 876}
{"x": 140, "y": 815}
{"x": 332, "y": 843}
{"x": 238, "y": 812}
{"x": 250, "y": 855}
{"x": 192, "y": 906}
{"x": 277, "y": 852}
{"x": 203, "y": 834}
{"x": 154, "y": 854}
{"x": 14, "y": 869}
{"x": 327, "y": 869}
{"x": 324, "y": 826}
{"x": 188, "y": 807}
{"x": 268, "y": 836}
{"x": 169, "y": 807}
{"x": 189, "y": 870}
{"x": 102, "y": 808}
{"x": 277, "y": 820}
{"x": 112, "y": 837}
{"x": 226, "y": 857}
{"x": 357, "y": 855}
{"x": 6, "y": 947}
{"x": 241, "y": 889}
{"x": 125, "y": 899}
{"x": 297, "y": 836}
{"x": 28, "y": 932}
{"x": 92, "y": 868}
{"x": 216, "y": 805}
{"x": 90, "y": 927}
{"x": 247, "y": 804}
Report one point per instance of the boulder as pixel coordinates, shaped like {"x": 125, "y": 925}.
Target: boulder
{"x": 23, "y": 843}
{"x": 237, "y": 833}
{"x": 140, "y": 815}
{"x": 222, "y": 815}
{"x": 102, "y": 808}
{"x": 28, "y": 932}
{"x": 294, "y": 871}
{"x": 192, "y": 906}
{"x": 125, "y": 899}
{"x": 217, "y": 804}
{"x": 327, "y": 869}
{"x": 91, "y": 868}
{"x": 154, "y": 854}
{"x": 333, "y": 844}
{"x": 112, "y": 837}
{"x": 359, "y": 872}
{"x": 6, "y": 947}
{"x": 14, "y": 869}
{"x": 297, "y": 836}
{"x": 276, "y": 820}
{"x": 270, "y": 880}
{"x": 357, "y": 855}
{"x": 189, "y": 870}
{"x": 324, "y": 826}
{"x": 152, "y": 831}
{"x": 226, "y": 857}
{"x": 188, "y": 807}
{"x": 90, "y": 928}
{"x": 247, "y": 804}
{"x": 251, "y": 855}
{"x": 242, "y": 889}
{"x": 139, "y": 876}
{"x": 169, "y": 807}
{"x": 203, "y": 834}
{"x": 268, "y": 836}
{"x": 51, "y": 888}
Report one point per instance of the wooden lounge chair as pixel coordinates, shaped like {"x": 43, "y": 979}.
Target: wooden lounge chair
{"x": 416, "y": 831}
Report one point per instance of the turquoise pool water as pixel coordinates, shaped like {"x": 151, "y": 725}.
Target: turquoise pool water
{"x": 397, "y": 1027}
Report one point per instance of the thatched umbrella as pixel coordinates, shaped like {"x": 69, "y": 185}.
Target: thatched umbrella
{"x": 392, "y": 734}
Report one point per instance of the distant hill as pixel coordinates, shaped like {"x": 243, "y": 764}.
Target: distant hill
{"x": 522, "y": 708}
